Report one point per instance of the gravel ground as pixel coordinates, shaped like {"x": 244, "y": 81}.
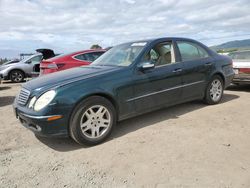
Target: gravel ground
{"x": 189, "y": 145}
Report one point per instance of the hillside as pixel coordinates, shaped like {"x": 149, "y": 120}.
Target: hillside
{"x": 236, "y": 44}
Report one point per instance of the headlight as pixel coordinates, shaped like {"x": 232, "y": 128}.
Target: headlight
{"x": 44, "y": 100}
{"x": 32, "y": 101}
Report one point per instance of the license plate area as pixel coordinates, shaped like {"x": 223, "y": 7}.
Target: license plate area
{"x": 236, "y": 71}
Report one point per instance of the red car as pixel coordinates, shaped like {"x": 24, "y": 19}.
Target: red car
{"x": 68, "y": 61}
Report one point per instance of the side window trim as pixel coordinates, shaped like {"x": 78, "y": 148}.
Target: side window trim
{"x": 74, "y": 57}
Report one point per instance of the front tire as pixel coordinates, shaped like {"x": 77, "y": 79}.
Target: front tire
{"x": 16, "y": 76}
{"x": 214, "y": 90}
{"x": 92, "y": 121}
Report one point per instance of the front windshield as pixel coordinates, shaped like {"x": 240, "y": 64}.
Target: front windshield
{"x": 121, "y": 55}
{"x": 27, "y": 58}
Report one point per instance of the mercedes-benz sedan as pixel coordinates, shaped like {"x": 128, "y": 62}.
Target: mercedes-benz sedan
{"x": 85, "y": 103}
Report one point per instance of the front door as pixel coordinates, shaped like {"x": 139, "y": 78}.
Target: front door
{"x": 161, "y": 85}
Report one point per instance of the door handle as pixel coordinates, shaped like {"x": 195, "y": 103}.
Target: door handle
{"x": 177, "y": 70}
{"x": 208, "y": 64}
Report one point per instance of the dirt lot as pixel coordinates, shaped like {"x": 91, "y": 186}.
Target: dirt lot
{"x": 189, "y": 145}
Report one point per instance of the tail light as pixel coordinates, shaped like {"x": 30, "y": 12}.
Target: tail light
{"x": 245, "y": 70}
{"x": 52, "y": 66}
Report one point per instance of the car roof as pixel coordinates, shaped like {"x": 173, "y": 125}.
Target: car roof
{"x": 85, "y": 51}
{"x": 172, "y": 38}
{"x": 29, "y": 57}
{"x": 163, "y": 38}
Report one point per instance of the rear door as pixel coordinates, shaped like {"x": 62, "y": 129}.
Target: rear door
{"x": 197, "y": 65}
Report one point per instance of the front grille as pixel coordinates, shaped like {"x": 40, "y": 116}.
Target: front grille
{"x": 23, "y": 96}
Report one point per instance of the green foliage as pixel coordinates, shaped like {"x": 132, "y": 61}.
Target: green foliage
{"x": 228, "y": 50}
{"x": 95, "y": 46}
{"x": 3, "y": 60}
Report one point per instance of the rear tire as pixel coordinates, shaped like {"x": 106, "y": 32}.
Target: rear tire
{"x": 16, "y": 76}
{"x": 214, "y": 90}
{"x": 92, "y": 121}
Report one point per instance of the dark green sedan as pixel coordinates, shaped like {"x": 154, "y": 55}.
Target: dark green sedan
{"x": 85, "y": 103}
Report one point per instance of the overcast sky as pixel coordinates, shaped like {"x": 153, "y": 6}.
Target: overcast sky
{"x": 69, "y": 25}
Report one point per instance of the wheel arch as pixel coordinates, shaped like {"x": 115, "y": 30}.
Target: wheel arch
{"x": 221, "y": 75}
{"x": 100, "y": 94}
{"x": 104, "y": 95}
{"x": 24, "y": 74}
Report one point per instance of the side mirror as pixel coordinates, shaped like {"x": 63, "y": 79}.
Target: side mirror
{"x": 146, "y": 66}
{"x": 28, "y": 62}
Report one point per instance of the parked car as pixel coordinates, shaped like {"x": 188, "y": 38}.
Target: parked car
{"x": 17, "y": 72}
{"x": 7, "y": 63}
{"x": 67, "y": 61}
{"x": 241, "y": 66}
{"x": 129, "y": 79}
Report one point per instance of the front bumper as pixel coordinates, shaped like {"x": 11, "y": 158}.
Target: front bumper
{"x": 4, "y": 74}
{"x": 40, "y": 124}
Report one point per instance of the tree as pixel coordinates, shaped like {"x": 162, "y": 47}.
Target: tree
{"x": 3, "y": 60}
{"x": 95, "y": 46}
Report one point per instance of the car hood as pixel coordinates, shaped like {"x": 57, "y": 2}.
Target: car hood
{"x": 67, "y": 76}
{"x": 2, "y": 67}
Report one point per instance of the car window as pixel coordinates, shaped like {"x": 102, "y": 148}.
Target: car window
{"x": 97, "y": 54}
{"x": 191, "y": 51}
{"x": 161, "y": 54}
{"x": 92, "y": 56}
{"x": 81, "y": 57}
{"x": 36, "y": 59}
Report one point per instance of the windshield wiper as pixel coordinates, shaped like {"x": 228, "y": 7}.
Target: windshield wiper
{"x": 105, "y": 65}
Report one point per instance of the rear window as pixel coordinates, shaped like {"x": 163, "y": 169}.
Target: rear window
{"x": 240, "y": 55}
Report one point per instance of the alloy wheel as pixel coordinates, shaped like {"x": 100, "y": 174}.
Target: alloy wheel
{"x": 216, "y": 90}
{"x": 95, "y": 121}
{"x": 16, "y": 76}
